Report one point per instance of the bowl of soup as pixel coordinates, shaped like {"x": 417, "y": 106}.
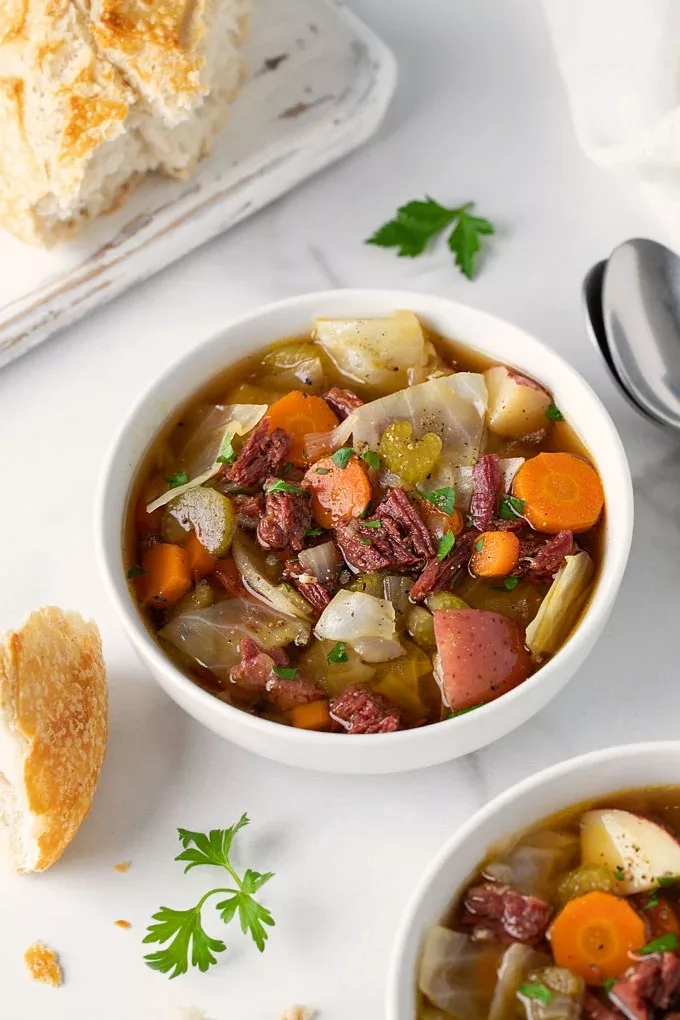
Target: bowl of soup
{"x": 559, "y": 900}
{"x": 366, "y": 514}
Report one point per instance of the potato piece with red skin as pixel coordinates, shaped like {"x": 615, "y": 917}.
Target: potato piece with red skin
{"x": 481, "y": 656}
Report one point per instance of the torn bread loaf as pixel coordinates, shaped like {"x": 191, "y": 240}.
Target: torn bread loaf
{"x": 53, "y": 730}
{"x": 95, "y": 94}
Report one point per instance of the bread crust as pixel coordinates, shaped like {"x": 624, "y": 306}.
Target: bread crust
{"x": 54, "y": 702}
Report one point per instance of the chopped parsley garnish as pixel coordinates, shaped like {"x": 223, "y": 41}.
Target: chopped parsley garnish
{"x": 321, "y": 471}
{"x": 227, "y": 453}
{"x": 186, "y": 940}
{"x": 372, "y": 524}
{"x": 313, "y": 532}
{"x": 417, "y": 223}
{"x": 619, "y": 873}
{"x": 553, "y": 413}
{"x": 479, "y": 544}
{"x": 446, "y": 544}
{"x": 444, "y": 499}
{"x": 536, "y": 990}
{"x": 136, "y": 571}
{"x": 280, "y": 486}
{"x": 664, "y": 944}
{"x": 663, "y": 881}
{"x": 372, "y": 459}
{"x": 287, "y": 467}
{"x": 285, "y": 672}
{"x": 508, "y": 585}
{"x": 364, "y": 541}
{"x": 181, "y": 478}
{"x": 342, "y": 456}
{"x": 338, "y": 652}
{"x": 652, "y": 902}
{"x": 608, "y": 984}
{"x": 511, "y": 507}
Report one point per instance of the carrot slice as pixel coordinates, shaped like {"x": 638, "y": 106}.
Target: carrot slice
{"x": 594, "y": 935}
{"x": 300, "y": 414}
{"x": 166, "y": 575}
{"x": 561, "y": 492}
{"x": 337, "y": 492}
{"x": 199, "y": 559}
{"x": 662, "y": 919}
{"x": 437, "y": 522}
{"x": 313, "y": 716}
{"x": 495, "y": 554}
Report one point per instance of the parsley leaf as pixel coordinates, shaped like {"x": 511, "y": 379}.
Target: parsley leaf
{"x": 338, "y": 652}
{"x": 342, "y": 456}
{"x": 446, "y": 544}
{"x": 280, "y": 486}
{"x": 313, "y": 532}
{"x": 364, "y": 541}
{"x": 444, "y": 499}
{"x": 554, "y": 414}
{"x": 227, "y": 453}
{"x": 181, "y": 478}
{"x": 136, "y": 571}
{"x": 511, "y": 582}
{"x": 619, "y": 873}
{"x": 417, "y": 223}
{"x": 608, "y": 984}
{"x": 511, "y": 507}
{"x": 663, "y": 881}
{"x": 285, "y": 672}
{"x": 372, "y": 524}
{"x": 322, "y": 471}
{"x": 664, "y": 944}
{"x": 536, "y": 990}
{"x": 479, "y": 544}
{"x": 462, "y": 711}
{"x": 372, "y": 459}
{"x": 652, "y": 902}
{"x": 181, "y": 932}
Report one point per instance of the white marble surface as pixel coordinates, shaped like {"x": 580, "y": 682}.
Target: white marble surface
{"x": 479, "y": 115}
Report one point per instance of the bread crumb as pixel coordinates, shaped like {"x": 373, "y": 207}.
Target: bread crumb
{"x": 122, "y": 924}
{"x": 43, "y": 964}
{"x": 298, "y": 1013}
{"x": 122, "y": 867}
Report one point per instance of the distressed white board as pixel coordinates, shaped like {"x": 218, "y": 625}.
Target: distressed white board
{"x": 318, "y": 86}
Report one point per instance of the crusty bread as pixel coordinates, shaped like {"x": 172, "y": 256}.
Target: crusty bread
{"x": 94, "y": 94}
{"x": 53, "y": 729}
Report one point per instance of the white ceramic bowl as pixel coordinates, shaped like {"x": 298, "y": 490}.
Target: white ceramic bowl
{"x": 410, "y": 749}
{"x": 591, "y": 776}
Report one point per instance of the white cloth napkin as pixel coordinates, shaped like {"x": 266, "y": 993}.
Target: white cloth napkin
{"x": 621, "y": 63}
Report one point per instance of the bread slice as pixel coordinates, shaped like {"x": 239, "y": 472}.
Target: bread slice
{"x": 53, "y": 730}
{"x": 95, "y": 94}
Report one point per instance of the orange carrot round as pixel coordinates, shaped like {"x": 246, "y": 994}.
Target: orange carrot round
{"x": 495, "y": 554}
{"x": 594, "y": 935}
{"x": 561, "y": 492}
{"x": 301, "y": 414}
{"x": 337, "y": 492}
{"x": 166, "y": 575}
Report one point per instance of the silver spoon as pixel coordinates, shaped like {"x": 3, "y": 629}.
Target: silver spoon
{"x": 592, "y": 306}
{"x": 641, "y": 310}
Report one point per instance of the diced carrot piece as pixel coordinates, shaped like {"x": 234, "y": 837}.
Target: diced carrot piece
{"x": 313, "y": 716}
{"x": 495, "y": 554}
{"x": 200, "y": 560}
{"x": 227, "y": 574}
{"x": 337, "y": 492}
{"x": 594, "y": 936}
{"x": 301, "y": 414}
{"x": 561, "y": 492}
{"x": 166, "y": 575}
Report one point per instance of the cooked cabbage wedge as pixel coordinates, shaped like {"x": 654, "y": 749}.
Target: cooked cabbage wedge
{"x": 280, "y": 597}
{"x": 365, "y": 622}
{"x": 375, "y": 352}
{"x": 561, "y": 606}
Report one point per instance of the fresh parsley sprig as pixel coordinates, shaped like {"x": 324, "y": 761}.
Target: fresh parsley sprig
{"x": 183, "y": 931}
{"x": 417, "y": 223}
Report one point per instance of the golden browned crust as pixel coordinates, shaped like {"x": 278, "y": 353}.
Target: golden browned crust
{"x": 43, "y": 964}
{"x": 53, "y": 695}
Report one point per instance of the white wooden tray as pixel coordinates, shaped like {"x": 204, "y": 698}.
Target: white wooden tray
{"x": 319, "y": 84}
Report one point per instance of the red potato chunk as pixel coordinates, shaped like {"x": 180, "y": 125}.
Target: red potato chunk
{"x": 481, "y": 656}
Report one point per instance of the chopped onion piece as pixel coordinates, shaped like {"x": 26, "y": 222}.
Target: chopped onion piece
{"x": 280, "y": 597}
{"x": 450, "y": 966}
{"x": 377, "y": 352}
{"x": 365, "y": 622}
{"x": 212, "y": 636}
{"x": 560, "y": 608}
{"x": 453, "y": 407}
{"x": 210, "y": 428}
{"x": 517, "y": 963}
{"x": 322, "y": 561}
{"x": 509, "y": 467}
